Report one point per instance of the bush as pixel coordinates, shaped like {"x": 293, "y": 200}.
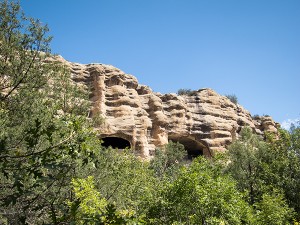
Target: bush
{"x": 168, "y": 159}
{"x": 232, "y": 98}
{"x": 255, "y": 117}
{"x": 200, "y": 194}
{"x": 188, "y": 92}
{"x": 273, "y": 209}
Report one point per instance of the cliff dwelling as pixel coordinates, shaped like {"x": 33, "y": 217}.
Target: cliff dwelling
{"x": 203, "y": 122}
{"x": 116, "y": 142}
{"x": 193, "y": 147}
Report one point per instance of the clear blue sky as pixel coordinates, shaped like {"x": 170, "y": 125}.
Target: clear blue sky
{"x": 250, "y": 48}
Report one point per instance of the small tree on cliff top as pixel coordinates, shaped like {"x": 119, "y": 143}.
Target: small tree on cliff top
{"x": 232, "y": 98}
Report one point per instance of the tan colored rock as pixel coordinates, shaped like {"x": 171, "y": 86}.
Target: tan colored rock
{"x": 204, "y": 122}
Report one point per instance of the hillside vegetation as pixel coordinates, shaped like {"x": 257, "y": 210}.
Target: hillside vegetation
{"x": 54, "y": 170}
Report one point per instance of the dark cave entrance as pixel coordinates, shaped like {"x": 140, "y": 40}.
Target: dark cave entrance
{"x": 193, "y": 148}
{"x": 115, "y": 142}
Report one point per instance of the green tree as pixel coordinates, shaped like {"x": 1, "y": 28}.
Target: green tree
{"x": 42, "y": 140}
{"x": 263, "y": 169}
{"x": 122, "y": 178}
{"x": 244, "y": 163}
{"x": 89, "y": 207}
{"x": 168, "y": 160}
{"x": 201, "y": 194}
{"x": 272, "y": 209}
{"x": 282, "y": 165}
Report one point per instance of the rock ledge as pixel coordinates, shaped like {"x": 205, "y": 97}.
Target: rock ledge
{"x": 204, "y": 122}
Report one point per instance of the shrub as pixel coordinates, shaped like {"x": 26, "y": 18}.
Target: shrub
{"x": 188, "y": 92}
{"x": 256, "y": 117}
{"x": 232, "y": 98}
{"x": 168, "y": 159}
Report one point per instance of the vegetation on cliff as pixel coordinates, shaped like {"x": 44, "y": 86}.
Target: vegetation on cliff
{"x": 54, "y": 170}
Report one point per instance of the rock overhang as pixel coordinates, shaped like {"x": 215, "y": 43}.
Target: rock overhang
{"x": 148, "y": 120}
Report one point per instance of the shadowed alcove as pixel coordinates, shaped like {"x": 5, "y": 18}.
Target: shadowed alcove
{"x": 115, "y": 142}
{"x": 193, "y": 147}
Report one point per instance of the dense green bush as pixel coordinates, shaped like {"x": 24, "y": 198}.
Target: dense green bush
{"x": 200, "y": 194}
{"x": 268, "y": 171}
{"x": 168, "y": 159}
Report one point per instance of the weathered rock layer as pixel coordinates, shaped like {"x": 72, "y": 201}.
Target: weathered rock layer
{"x": 203, "y": 122}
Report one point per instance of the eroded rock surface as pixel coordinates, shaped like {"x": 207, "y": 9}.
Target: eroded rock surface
{"x": 204, "y": 122}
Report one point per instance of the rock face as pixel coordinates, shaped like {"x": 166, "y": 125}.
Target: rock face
{"x": 203, "y": 122}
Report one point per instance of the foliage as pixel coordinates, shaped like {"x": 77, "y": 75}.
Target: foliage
{"x": 122, "y": 178}
{"x": 188, "y": 92}
{"x": 256, "y": 117}
{"x": 90, "y": 200}
{"x": 89, "y": 207}
{"x": 272, "y": 209}
{"x": 167, "y": 160}
{"x": 264, "y": 168}
{"x": 232, "y": 98}
{"x": 42, "y": 140}
{"x": 244, "y": 163}
{"x": 24, "y": 46}
{"x": 200, "y": 194}
{"x": 282, "y": 167}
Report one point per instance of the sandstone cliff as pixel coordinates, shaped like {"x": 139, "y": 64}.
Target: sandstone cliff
{"x": 203, "y": 122}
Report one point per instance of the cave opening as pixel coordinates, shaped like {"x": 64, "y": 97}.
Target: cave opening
{"x": 115, "y": 142}
{"x": 193, "y": 148}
